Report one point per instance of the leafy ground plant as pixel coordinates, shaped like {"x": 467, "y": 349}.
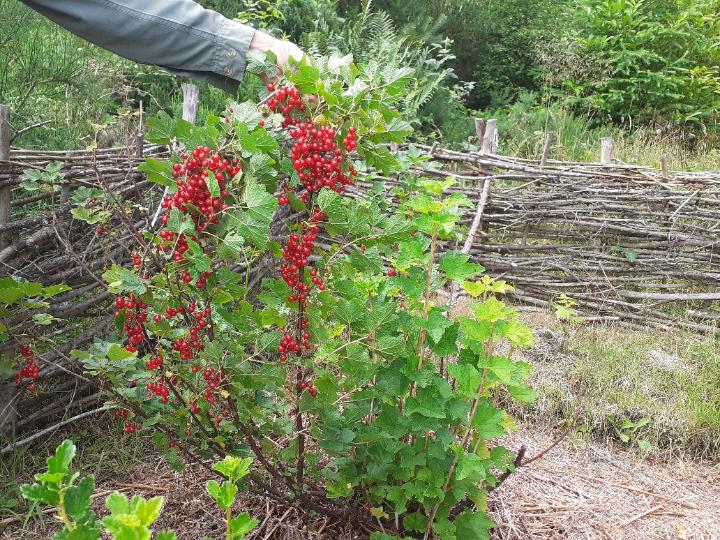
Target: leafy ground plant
{"x": 128, "y": 519}
{"x": 342, "y": 374}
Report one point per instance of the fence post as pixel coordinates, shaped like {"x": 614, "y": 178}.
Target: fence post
{"x": 546, "y": 148}
{"x": 606, "y": 144}
{"x": 191, "y": 98}
{"x": 480, "y": 129}
{"x": 664, "y": 166}
{"x": 4, "y": 156}
{"x": 490, "y": 138}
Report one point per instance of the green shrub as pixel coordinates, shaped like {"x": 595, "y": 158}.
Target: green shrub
{"x": 646, "y": 61}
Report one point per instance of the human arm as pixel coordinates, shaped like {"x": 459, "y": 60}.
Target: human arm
{"x": 178, "y": 35}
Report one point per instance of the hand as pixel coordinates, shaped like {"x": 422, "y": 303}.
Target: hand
{"x": 283, "y": 50}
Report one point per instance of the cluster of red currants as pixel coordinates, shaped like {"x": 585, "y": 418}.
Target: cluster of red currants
{"x": 189, "y": 345}
{"x": 158, "y": 389}
{"x": 122, "y": 413}
{"x": 135, "y": 312}
{"x": 308, "y": 385}
{"x": 30, "y": 370}
{"x": 317, "y": 158}
{"x": 192, "y": 186}
{"x": 286, "y": 100}
{"x": 136, "y": 259}
{"x": 131, "y": 427}
{"x": 289, "y": 344}
{"x": 155, "y": 362}
{"x": 213, "y": 377}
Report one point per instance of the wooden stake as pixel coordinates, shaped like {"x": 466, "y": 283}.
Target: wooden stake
{"x": 546, "y": 149}
{"x": 664, "y": 166}
{"x": 606, "y": 144}
{"x": 4, "y": 156}
{"x": 489, "y": 142}
{"x": 191, "y": 98}
{"x": 480, "y": 129}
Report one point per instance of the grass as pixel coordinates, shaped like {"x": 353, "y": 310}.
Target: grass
{"x": 102, "y": 450}
{"x": 523, "y": 127}
{"x": 600, "y": 375}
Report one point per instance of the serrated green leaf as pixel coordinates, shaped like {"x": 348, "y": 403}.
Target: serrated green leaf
{"x": 64, "y": 454}
{"x": 117, "y": 503}
{"x": 122, "y": 280}
{"x": 473, "y": 526}
{"x": 457, "y": 266}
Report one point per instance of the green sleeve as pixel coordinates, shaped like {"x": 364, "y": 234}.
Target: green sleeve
{"x": 178, "y": 35}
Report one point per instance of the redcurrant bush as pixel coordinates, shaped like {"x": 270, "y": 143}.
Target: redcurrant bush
{"x": 287, "y": 309}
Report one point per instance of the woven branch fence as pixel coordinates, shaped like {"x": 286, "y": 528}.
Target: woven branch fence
{"x": 631, "y": 244}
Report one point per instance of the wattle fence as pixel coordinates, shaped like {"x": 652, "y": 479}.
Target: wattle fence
{"x": 636, "y": 245}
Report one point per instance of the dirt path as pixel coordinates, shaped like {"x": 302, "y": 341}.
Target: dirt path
{"x": 577, "y": 491}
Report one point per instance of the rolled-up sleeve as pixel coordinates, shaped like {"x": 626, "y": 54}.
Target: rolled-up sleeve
{"x": 178, "y": 35}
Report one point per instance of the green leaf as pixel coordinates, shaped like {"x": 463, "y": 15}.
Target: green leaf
{"x": 522, "y": 393}
{"x": 64, "y": 454}
{"x": 470, "y": 465}
{"x": 241, "y": 525}
{"x": 259, "y": 202}
{"x": 457, "y": 266}
{"x": 502, "y": 367}
{"x": 77, "y": 498}
{"x": 436, "y": 325}
{"x": 213, "y": 185}
{"x": 156, "y": 171}
{"x": 122, "y": 280}
{"x": 488, "y": 420}
{"x": 427, "y": 402}
{"x": 231, "y": 247}
{"x": 493, "y": 310}
{"x": 179, "y": 223}
{"x": 520, "y": 335}
{"x": 233, "y": 468}
{"x": 161, "y": 128}
{"x": 167, "y": 535}
{"x": 471, "y": 525}
{"x": 39, "y": 493}
{"x": 468, "y": 379}
{"x": 117, "y": 503}
{"x": 147, "y": 511}
{"x": 82, "y": 531}
{"x": 223, "y": 494}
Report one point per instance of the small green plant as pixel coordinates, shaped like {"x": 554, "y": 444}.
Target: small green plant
{"x": 129, "y": 519}
{"x": 234, "y": 469}
{"x": 565, "y": 310}
{"x": 47, "y": 179}
{"x": 627, "y": 431}
{"x": 71, "y": 496}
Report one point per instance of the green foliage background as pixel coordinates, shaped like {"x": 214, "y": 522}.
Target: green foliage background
{"x": 632, "y": 67}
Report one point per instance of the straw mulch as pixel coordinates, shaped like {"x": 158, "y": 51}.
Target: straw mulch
{"x": 596, "y": 491}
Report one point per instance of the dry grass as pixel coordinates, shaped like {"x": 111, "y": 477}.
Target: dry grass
{"x": 594, "y": 491}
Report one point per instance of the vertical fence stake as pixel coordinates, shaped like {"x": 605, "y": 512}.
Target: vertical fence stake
{"x": 606, "y": 145}
{"x": 664, "y": 167}
{"x": 490, "y": 138}
{"x": 191, "y": 98}
{"x": 546, "y": 148}
{"x": 4, "y": 156}
{"x": 480, "y": 129}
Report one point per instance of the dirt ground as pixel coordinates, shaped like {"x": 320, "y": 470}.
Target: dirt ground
{"x": 577, "y": 490}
